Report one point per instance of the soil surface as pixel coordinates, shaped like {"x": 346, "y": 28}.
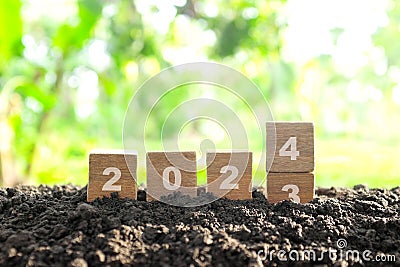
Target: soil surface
{"x": 55, "y": 226}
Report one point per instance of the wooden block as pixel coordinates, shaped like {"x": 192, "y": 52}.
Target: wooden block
{"x": 229, "y": 174}
{"x": 109, "y": 172}
{"x": 294, "y": 151}
{"x": 298, "y": 187}
{"x": 169, "y": 172}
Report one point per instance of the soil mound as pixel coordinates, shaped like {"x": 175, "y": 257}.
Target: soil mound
{"x": 55, "y": 226}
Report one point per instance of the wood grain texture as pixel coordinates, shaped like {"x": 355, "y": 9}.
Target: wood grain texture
{"x": 304, "y": 133}
{"x": 100, "y": 161}
{"x": 276, "y": 181}
{"x": 217, "y": 181}
{"x": 157, "y": 162}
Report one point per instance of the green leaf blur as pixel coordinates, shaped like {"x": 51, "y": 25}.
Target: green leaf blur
{"x": 69, "y": 68}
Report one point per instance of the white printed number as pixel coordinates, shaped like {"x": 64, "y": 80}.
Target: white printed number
{"x": 109, "y": 186}
{"x": 292, "y": 153}
{"x": 227, "y": 183}
{"x": 294, "y": 191}
{"x": 178, "y": 178}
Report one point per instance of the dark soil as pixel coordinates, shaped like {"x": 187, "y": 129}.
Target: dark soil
{"x": 55, "y": 226}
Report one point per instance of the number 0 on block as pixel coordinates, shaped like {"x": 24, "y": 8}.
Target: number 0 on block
{"x": 229, "y": 174}
{"x": 169, "y": 172}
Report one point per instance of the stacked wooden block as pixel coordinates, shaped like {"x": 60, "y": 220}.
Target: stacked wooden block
{"x": 292, "y": 162}
{"x": 229, "y": 174}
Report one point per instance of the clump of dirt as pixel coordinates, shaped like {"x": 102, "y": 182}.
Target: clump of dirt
{"x": 42, "y": 226}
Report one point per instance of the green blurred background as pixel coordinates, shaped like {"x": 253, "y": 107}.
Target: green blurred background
{"x": 69, "y": 68}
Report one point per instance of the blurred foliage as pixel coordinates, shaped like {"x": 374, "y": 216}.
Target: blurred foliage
{"x": 69, "y": 68}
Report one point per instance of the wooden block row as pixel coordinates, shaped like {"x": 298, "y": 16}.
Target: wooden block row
{"x": 168, "y": 172}
{"x": 227, "y": 175}
{"x": 291, "y": 162}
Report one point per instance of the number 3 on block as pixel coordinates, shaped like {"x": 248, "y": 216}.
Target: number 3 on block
{"x": 294, "y": 191}
{"x": 298, "y": 187}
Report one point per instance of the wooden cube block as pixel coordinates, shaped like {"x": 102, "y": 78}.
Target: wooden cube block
{"x": 298, "y": 187}
{"x": 112, "y": 171}
{"x": 229, "y": 174}
{"x": 169, "y": 172}
{"x": 294, "y": 150}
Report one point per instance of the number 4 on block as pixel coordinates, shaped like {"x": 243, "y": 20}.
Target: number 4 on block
{"x": 294, "y": 146}
{"x": 112, "y": 171}
{"x": 229, "y": 174}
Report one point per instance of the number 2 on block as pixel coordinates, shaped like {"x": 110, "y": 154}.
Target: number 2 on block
{"x": 109, "y": 186}
{"x": 294, "y": 191}
{"x": 292, "y": 153}
{"x": 228, "y": 182}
